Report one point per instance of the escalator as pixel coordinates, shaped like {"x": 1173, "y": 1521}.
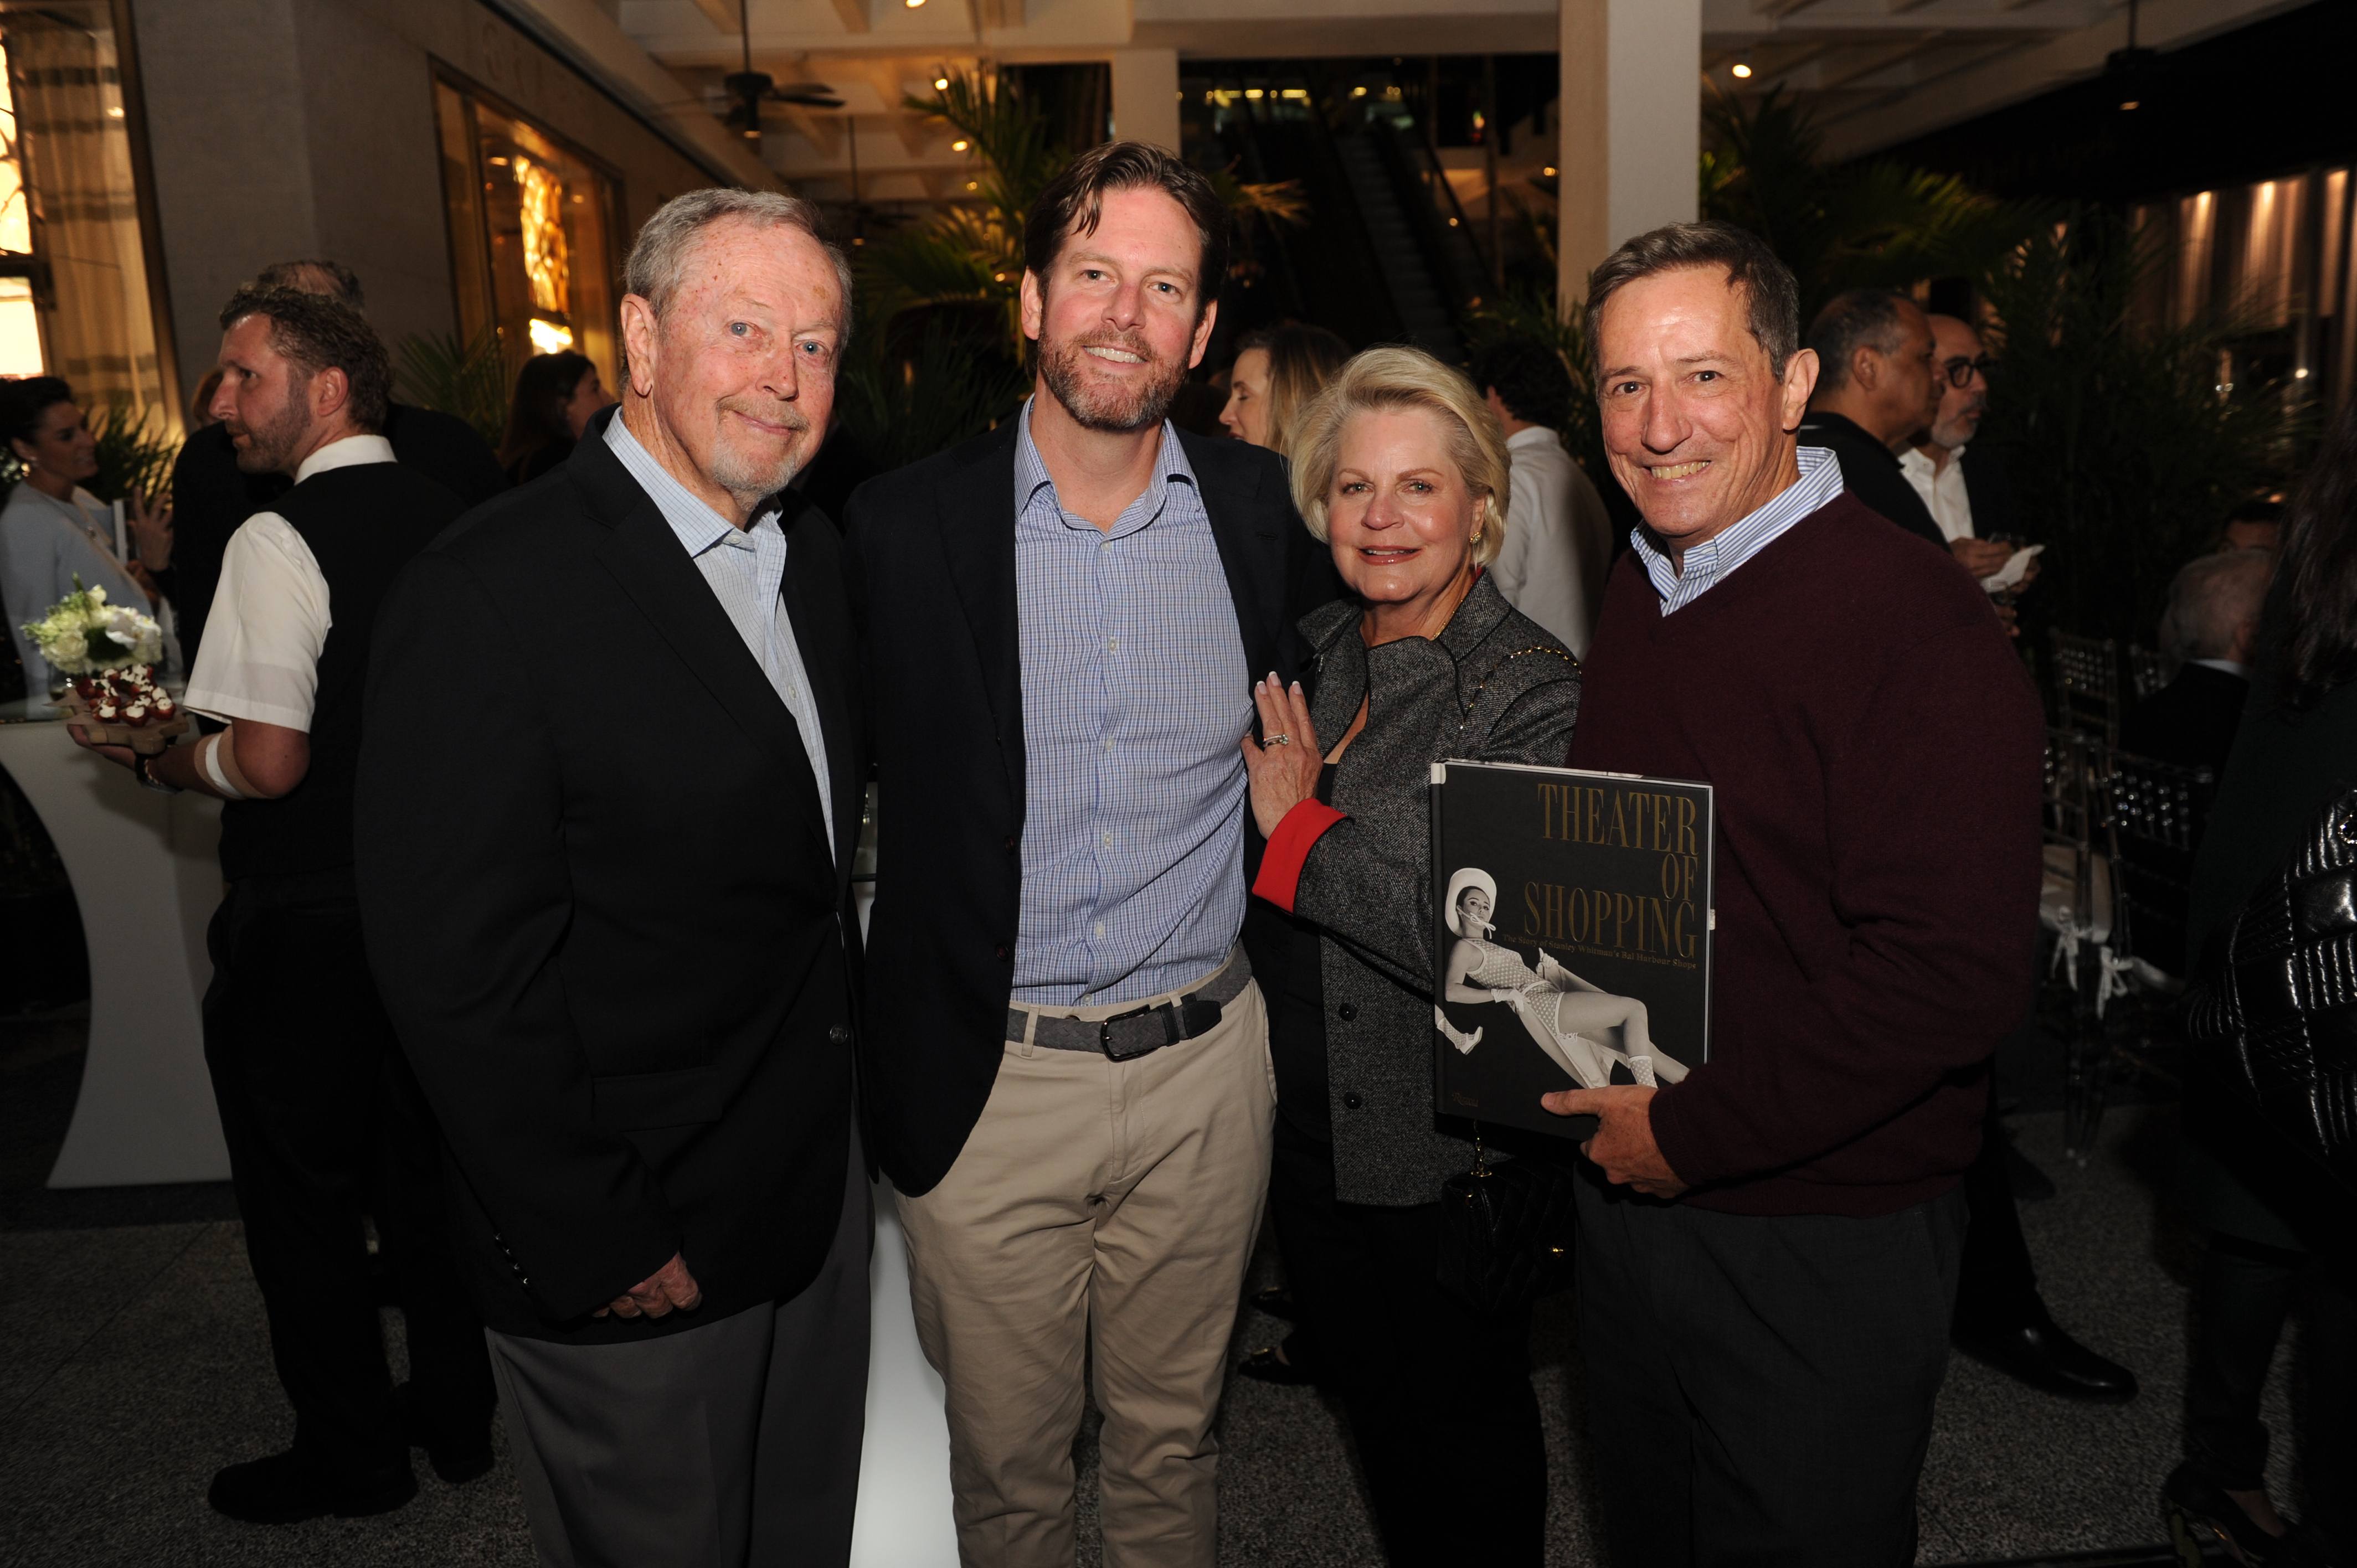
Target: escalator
{"x": 1425, "y": 317}
{"x": 1377, "y": 260}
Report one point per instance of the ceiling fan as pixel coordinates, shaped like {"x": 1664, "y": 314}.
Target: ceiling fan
{"x": 2131, "y": 73}
{"x": 750, "y": 88}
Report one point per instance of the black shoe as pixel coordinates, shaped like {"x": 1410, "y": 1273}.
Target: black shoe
{"x": 457, "y": 1460}
{"x": 2203, "y": 1521}
{"x": 282, "y": 1490}
{"x": 1277, "y": 1301}
{"x": 1264, "y": 1364}
{"x": 2051, "y": 1361}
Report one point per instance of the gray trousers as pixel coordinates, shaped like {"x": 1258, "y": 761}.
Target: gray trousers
{"x": 736, "y": 1443}
{"x": 1760, "y": 1388}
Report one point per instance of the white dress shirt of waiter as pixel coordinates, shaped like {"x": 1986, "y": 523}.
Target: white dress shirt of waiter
{"x": 1556, "y": 555}
{"x": 1101, "y": 1204}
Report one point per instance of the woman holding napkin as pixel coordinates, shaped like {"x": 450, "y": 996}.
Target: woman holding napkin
{"x": 1402, "y": 470}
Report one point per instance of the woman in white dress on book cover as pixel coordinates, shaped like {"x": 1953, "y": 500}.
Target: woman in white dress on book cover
{"x": 1570, "y": 1019}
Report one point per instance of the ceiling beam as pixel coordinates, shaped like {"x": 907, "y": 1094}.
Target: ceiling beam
{"x": 2038, "y": 65}
{"x": 1867, "y": 59}
{"x": 1781, "y": 7}
{"x": 722, "y": 15}
{"x": 1833, "y": 115}
{"x": 826, "y": 134}
{"x": 854, "y": 14}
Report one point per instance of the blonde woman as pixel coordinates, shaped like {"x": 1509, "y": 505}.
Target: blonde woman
{"x": 1566, "y": 1015}
{"x": 1400, "y": 468}
{"x": 1278, "y": 371}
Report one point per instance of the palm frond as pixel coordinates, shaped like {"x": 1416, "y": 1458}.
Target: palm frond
{"x": 454, "y": 375}
{"x": 2126, "y": 446}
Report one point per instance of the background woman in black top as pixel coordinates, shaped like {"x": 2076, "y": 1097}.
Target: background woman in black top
{"x": 2274, "y": 1234}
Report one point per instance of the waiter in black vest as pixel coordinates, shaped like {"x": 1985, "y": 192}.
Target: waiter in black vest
{"x": 304, "y": 1068}
{"x": 213, "y": 490}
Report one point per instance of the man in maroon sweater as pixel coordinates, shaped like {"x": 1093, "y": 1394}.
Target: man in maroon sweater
{"x": 1785, "y": 1224}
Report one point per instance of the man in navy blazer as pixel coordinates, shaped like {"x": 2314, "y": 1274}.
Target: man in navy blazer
{"x": 1067, "y": 1075}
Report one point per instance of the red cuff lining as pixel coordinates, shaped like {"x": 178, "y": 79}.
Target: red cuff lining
{"x": 1288, "y": 851}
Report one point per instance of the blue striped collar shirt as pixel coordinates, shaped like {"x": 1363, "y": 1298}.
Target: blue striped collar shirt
{"x": 745, "y": 569}
{"x": 1134, "y": 698}
{"x": 1708, "y": 564}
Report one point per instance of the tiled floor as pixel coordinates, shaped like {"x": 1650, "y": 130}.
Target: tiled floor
{"x": 133, "y": 1362}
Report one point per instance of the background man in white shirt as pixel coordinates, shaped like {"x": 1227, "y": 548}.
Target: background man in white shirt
{"x": 319, "y": 1114}
{"x": 1935, "y": 465}
{"x": 1560, "y": 545}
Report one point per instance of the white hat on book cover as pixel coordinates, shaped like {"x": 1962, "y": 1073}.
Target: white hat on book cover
{"x": 1471, "y": 877}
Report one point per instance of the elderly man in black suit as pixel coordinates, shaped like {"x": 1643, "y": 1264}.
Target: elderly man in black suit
{"x": 2210, "y": 625}
{"x": 607, "y": 810}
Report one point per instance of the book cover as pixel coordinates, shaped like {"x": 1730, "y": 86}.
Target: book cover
{"x": 1574, "y": 937}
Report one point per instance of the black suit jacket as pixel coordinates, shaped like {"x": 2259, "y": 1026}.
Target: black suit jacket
{"x": 1870, "y": 471}
{"x": 602, "y": 906}
{"x": 1988, "y": 489}
{"x": 211, "y": 497}
{"x": 2191, "y": 721}
{"x": 932, "y": 581}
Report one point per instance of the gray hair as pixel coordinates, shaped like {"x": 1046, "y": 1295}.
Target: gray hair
{"x": 1775, "y": 295}
{"x": 304, "y": 277}
{"x": 660, "y": 252}
{"x": 1857, "y": 318}
{"x": 2212, "y": 599}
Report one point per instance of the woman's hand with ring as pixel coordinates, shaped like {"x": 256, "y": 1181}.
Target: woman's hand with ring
{"x": 1285, "y": 769}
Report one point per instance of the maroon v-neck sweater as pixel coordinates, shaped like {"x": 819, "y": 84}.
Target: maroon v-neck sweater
{"x": 1876, "y": 750}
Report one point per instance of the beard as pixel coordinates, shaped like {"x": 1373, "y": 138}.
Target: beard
{"x": 749, "y": 476}
{"x": 1117, "y": 409}
{"x": 1950, "y": 434}
{"x": 270, "y": 445}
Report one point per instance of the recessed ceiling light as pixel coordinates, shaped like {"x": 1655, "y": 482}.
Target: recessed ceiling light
{"x": 960, "y": 145}
{"x": 1740, "y": 71}
{"x": 912, "y": 5}
{"x": 1548, "y": 172}
{"x": 940, "y": 84}
{"x": 974, "y": 184}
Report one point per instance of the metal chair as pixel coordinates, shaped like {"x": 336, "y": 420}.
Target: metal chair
{"x": 2086, "y": 680}
{"x": 2147, "y": 672}
{"x": 2150, "y": 817}
{"x": 2076, "y": 905}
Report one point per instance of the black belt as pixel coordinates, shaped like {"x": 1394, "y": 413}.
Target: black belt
{"x": 1141, "y": 1030}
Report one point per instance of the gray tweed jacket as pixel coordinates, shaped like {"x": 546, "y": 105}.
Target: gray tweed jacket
{"x": 1492, "y": 687}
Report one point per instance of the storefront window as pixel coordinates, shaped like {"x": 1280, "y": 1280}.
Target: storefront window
{"x": 75, "y": 276}
{"x": 530, "y": 234}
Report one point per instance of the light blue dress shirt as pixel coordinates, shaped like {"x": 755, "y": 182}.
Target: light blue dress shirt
{"x": 1707, "y": 563}
{"x": 745, "y": 569}
{"x": 1135, "y": 700}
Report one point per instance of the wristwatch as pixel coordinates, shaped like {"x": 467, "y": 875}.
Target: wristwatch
{"x": 139, "y": 761}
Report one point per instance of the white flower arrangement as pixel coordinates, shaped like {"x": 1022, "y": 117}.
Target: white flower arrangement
{"x": 84, "y": 635}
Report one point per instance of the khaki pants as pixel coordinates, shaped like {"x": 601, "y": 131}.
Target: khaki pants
{"x": 1104, "y": 1208}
